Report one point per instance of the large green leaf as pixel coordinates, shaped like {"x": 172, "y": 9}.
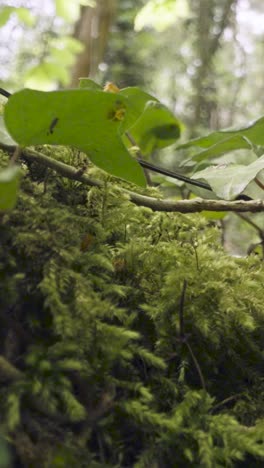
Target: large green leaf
{"x": 87, "y": 119}
{"x": 156, "y": 128}
{"x": 87, "y": 83}
{"x": 9, "y": 183}
{"x": 228, "y": 182}
{"x": 254, "y": 133}
{"x": 4, "y": 135}
{"x": 137, "y": 102}
{"x": 224, "y": 146}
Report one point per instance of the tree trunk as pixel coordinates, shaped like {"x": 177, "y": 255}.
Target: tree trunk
{"x": 209, "y": 33}
{"x": 92, "y": 30}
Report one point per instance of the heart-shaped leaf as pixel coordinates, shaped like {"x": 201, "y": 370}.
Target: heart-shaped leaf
{"x": 87, "y": 119}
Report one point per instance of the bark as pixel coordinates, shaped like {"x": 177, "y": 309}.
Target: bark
{"x": 156, "y": 204}
{"x": 92, "y": 29}
{"x": 209, "y": 34}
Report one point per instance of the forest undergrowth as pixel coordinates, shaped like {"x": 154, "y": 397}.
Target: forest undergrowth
{"x": 129, "y": 338}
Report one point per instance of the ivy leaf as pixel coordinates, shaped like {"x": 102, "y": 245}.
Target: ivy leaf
{"x": 90, "y": 120}
{"x": 254, "y": 133}
{"x": 9, "y": 183}
{"x": 228, "y": 182}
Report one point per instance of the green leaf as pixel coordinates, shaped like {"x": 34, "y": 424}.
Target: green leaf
{"x": 9, "y": 183}
{"x": 137, "y": 102}
{"x": 42, "y": 76}
{"x": 224, "y": 146}
{"x": 228, "y": 182}
{"x": 160, "y": 14}
{"x": 64, "y": 57}
{"x": 5, "y": 13}
{"x": 156, "y": 128}
{"x": 254, "y": 133}
{"x": 151, "y": 124}
{"x": 5, "y": 138}
{"x": 68, "y": 10}
{"x": 87, "y": 119}
{"x": 23, "y": 14}
{"x": 72, "y": 44}
{"x": 86, "y": 83}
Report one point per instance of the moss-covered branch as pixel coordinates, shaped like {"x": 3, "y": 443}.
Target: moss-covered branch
{"x": 182, "y": 206}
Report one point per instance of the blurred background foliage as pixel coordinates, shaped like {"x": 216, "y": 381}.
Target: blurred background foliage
{"x": 202, "y": 58}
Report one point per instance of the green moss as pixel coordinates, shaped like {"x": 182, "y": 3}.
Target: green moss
{"x": 91, "y": 287}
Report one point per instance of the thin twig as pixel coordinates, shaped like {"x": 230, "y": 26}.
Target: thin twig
{"x": 226, "y": 400}
{"x": 260, "y": 184}
{"x": 251, "y": 223}
{"x": 181, "y": 309}
{"x": 134, "y": 143}
{"x": 196, "y": 363}
{"x": 183, "y": 338}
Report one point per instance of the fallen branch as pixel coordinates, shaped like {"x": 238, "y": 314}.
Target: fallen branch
{"x": 156, "y": 204}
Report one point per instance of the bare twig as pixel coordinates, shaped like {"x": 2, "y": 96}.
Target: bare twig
{"x": 252, "y": 224}
{"x": 181, "y": 309}
{"x": 225, "y": 401}
{"x": 184, "y": 337}
{"x": 196, "y": 363}
{"x": 8, "y": 372}
{"x": 156, "y": 204}
{"x": 259, "y": 183}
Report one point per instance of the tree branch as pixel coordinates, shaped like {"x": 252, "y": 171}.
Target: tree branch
{"x": 156, "y": 204}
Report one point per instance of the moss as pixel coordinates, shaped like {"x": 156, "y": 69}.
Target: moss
{"x": 93, "y": 317}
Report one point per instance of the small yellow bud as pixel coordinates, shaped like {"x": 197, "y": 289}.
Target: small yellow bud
{"x": 111, "y": 87}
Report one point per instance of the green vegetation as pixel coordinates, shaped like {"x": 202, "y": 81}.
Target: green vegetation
{"x": 129, "y": 338}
